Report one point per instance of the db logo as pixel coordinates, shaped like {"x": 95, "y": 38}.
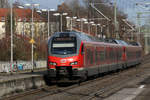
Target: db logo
{"x": 63, "y": 60}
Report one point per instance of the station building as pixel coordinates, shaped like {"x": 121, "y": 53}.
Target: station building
{"x": 22, "y": 19}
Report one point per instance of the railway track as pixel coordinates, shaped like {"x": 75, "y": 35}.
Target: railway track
{"x": 27, "y": 93}
{"x": 50, "y": 90}
{"x": 106, "y": 83}
{"x": 110, "y": 89}
{"x": 108, "y": 86}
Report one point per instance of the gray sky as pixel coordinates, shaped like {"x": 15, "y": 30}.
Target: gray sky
{"x": 49, "y": 3}
{"x": 44, "y": 3}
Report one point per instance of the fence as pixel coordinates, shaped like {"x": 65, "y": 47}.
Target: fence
{"x": 21, "y": 65}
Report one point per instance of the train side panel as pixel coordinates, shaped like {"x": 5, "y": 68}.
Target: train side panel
{"x": 101, "y": 58}
{"x": 134, "y": 55}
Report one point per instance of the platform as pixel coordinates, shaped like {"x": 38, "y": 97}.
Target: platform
{"x": 18, "y": 82}
{"x": 139, "y": 89}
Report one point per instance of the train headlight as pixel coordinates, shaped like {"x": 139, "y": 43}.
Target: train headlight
{"x": 53, "y": 63}
{"x": 74, "y": 63}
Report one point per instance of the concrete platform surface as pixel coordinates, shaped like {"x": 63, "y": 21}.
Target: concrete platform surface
{"x": 18, "y": 82}
{"x": 145, "y": 95}
{"x": 126, "y": 94}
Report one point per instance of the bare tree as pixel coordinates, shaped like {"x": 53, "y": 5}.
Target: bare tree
{"x": 74, "y": 5}
{"x": 4, "y": 4}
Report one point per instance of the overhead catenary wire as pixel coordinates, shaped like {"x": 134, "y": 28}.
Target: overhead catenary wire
{"x": 92, "y": 5}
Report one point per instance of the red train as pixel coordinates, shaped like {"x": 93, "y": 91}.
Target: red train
{"x": 77, "y": 55}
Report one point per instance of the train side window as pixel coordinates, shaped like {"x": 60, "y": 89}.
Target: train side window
{"x": 87, "y": 56}
{"x": 111, "y": 53}
{"x": 107, "y": 54}
{"x": 119, "y": 54}
{"x": 96, "y": 56}
{"x": 102, "y": 56}
{"x": 90, "y": 53}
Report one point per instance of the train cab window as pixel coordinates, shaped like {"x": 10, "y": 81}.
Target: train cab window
{"x": 64, "y": 45}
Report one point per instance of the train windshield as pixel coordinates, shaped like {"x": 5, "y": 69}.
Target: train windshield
{"x": 63, "y": 45}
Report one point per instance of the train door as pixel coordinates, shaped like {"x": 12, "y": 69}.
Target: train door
{"x": 88, "y": 56}
{"x": 81, "y": 55}
{"x": 101, "y": 59}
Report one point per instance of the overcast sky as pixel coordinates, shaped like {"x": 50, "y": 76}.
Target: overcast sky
{"x": 44, "y": 3}
{"x": 49, "y": 3}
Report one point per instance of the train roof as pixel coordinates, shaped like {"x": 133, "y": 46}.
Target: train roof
{"x": 121, "y": 42}
{"x": 89, "y": 38}
{"x": 81, "y": 35}
{"x": 115, "y": 41}
{"x": 135, "y": 43}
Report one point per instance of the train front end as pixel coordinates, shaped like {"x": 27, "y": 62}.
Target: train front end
{"x": 64, "y": 56}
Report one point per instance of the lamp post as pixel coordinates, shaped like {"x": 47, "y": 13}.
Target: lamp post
{"x": 102, "y": 31}
{"x": 48, "y": 21}
{"x": 32, "y": 49}
{"x": 63, "y": 14}
{"x": 91, "y": 24}
{"x": 102, "y": 26}
{"x": 81, "y": 20}
{"x": 60, "y": 14}
{"x": 70, "y": 27}
{"x": 97, "y": 28}
{"x": 87, "y": 26}
{"x": 96, "y": 25}
{"x": 71, "y": 21}
{"x": 11, "y": 30}
{"x": 115, "y": 19}
{"x": 21, "y": 7}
